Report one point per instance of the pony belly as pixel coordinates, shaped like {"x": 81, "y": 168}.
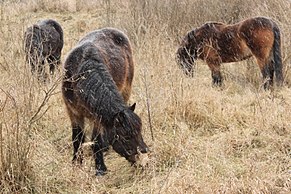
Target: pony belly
{"x": 77, "y": 109}
{"x": 241, "y": 53}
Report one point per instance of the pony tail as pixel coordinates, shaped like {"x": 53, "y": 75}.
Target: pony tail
{"x": 278, "y": 65}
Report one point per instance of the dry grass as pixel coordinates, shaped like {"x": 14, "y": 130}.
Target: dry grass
{"x": 206, "y": 140}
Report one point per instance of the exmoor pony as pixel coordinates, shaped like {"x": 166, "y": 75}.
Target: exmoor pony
{"x": 217, "y": 43}
{"x": 97, "y": 85}
{"x": 43, "y": 41}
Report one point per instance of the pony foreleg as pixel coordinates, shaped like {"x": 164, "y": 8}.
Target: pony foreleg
{"x": 78, "y": 137}
{"x": 98, "y": 147}
{"x": 215, "y": 74}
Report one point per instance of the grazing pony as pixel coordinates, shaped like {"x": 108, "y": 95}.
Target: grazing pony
{"x": 97, "y": 85}
{"x": 217, "y": 43}
{"x": 43, "y": 41}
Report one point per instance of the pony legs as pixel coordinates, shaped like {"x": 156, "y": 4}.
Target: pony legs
{"x": 100, "y": 144}
{"x": 215, "y": 74}
{"x": 78, "y": 136}
{"x": 267, "y": 70}
{"x": 53, "y": 61}
{"x": 38, "y": 69}
{"x": 266, "y": 65}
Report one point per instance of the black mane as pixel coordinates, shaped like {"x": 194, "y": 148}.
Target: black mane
{"x": 97, "y": 90}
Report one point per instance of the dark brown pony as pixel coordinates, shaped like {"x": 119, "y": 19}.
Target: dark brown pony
{"x": 217, "y": 43}
{"x": 97, "y": 85}
{"x": 43, "y": 42}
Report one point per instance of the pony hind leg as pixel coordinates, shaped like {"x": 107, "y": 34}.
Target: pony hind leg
{"x": 53, "y": 62}
{"x": 267, "y": 69}
{"x": 41, "y": 74}
{"x": 260, "y": 42}
{"x": 37, "y": 68}
{"x": 78, "y": 137}
{"x": 100, "y": 144}
{"x": 268, "y": 74}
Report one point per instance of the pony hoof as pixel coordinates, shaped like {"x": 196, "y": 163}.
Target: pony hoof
{"x": 100, "y": 172}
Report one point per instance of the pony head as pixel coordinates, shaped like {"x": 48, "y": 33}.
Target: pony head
{"x": 125, "y": 137}
{"x": 187, "y": 53}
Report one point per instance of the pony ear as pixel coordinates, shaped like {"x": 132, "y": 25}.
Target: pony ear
{"x": 132, "y": 107}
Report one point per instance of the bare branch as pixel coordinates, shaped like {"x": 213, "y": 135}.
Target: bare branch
{"x": 148, "y": 103}
{"x": 48, "y": 94}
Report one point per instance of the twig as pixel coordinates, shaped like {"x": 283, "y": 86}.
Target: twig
{"x": 14, "y": 104}
{"x": 5, "y": 101}
{"x": 166, "y": 179}
{"x": 9, "y": 96}
{"x": 148, "y": 104}
{"x": 1, "y": 149}
{"x": 46, "y": 98}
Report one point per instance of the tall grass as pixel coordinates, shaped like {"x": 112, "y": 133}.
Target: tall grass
{"x": 205, "y": 140}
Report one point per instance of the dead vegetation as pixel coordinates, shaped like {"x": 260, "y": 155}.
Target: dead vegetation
{"x": 206, "y": 140}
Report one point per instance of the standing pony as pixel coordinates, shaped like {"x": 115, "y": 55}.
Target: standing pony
{"x": 97, "y": 85}
{"x": 43, "y": 42}
{"x": 217, "y": 43}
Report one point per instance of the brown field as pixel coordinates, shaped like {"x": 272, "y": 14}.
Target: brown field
{"x": 234, "y": 139}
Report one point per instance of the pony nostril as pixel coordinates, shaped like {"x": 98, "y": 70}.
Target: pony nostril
{"x": 144, "y": 150}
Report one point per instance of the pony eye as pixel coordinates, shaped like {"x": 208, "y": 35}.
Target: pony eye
{"x": 129, "y": 152}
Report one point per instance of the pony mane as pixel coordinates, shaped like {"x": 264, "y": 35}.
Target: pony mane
{"x": 98, "y": 92}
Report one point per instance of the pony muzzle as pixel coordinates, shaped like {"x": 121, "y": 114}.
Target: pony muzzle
{"x": 142, "y": 158}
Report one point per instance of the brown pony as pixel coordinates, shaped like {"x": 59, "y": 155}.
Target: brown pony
{"x": 43, "y": 42}
{"x": 97, "y": 85}
{"x": 217, "y": 43}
